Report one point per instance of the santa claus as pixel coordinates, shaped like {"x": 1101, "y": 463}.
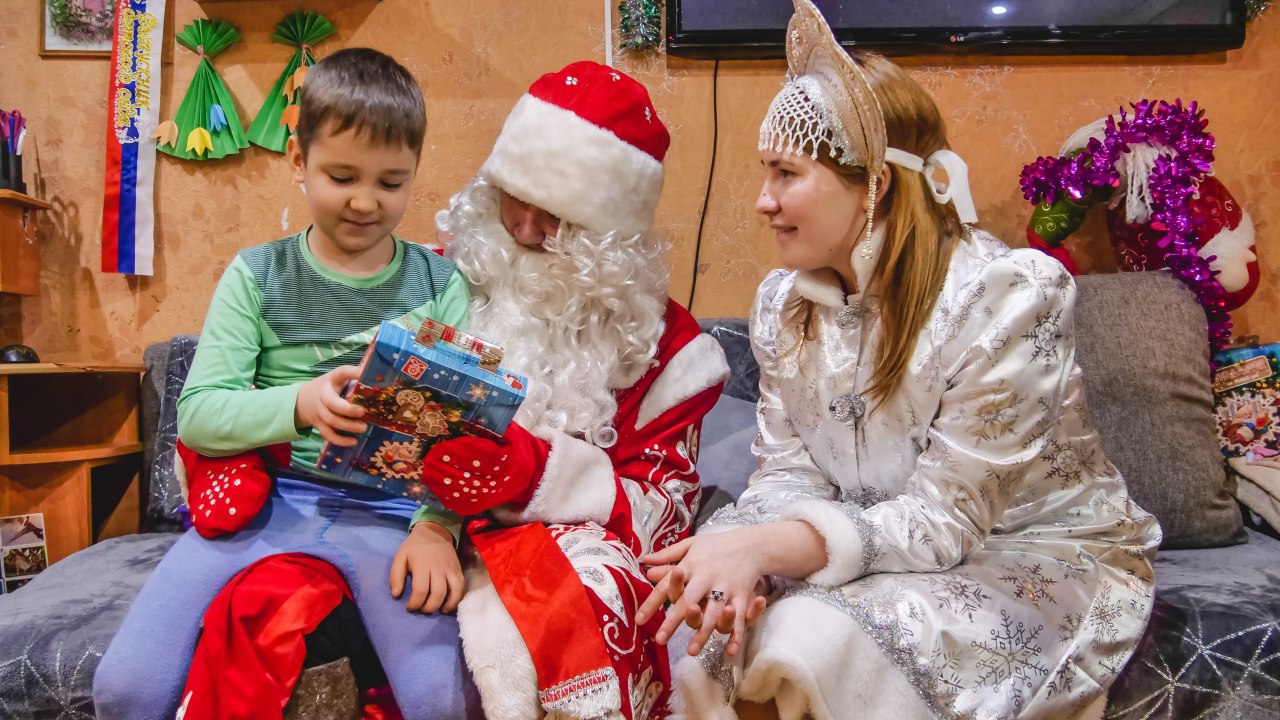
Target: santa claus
{"x": 554, "y": 235}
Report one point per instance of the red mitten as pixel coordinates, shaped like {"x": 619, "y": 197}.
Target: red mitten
{"x": 470, "y": 474}
{"x": 225, "y": 493}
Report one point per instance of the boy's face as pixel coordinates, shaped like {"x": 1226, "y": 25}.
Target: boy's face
{"x": 357, "y": 190}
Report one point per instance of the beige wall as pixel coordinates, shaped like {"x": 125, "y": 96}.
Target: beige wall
{"x": 475, "y": 58}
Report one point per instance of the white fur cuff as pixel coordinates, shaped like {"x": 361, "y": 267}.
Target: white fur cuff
{"x": 840, "y": 531}
{"x": 578, "y": 484}
{"x": 698, "y": 366}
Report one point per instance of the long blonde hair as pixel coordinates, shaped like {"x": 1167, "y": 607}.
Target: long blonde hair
{"x": 920, "y": 234}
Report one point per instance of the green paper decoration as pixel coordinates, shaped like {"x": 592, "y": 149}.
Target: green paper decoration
{"x": 207, "y": 126}
{"x": 302, "y": 30}
{"x": 640, "y": 24}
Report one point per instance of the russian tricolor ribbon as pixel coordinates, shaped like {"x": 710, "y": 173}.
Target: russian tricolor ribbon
{"x": 133, "y": 112}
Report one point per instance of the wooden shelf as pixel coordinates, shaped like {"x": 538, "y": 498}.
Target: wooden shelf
{"x": 70, "y": 448}
{"x": 19, "y": 253}
{"x": 23, "y": 199}
{"x": 70, "y": 453}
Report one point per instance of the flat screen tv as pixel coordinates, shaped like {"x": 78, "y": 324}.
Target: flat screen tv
{"x": 755, "y": 28}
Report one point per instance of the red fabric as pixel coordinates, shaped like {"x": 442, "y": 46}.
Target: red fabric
{"x": 1059, "y": 253}
{"x": 225, "y": 493}
{"x": 1137, "y": 247}
{"x": 540, "y": 589}
{"x": 470, "y": 475}
{"x": 379, "y": 704}
{"x": 251, "y": 649}
{"x": 609, "y": 99}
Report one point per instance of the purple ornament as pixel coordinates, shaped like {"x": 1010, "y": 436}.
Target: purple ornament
{"x": 1172, "y": 183}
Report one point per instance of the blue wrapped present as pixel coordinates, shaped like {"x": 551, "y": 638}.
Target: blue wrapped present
{"x": 418, "y": 390}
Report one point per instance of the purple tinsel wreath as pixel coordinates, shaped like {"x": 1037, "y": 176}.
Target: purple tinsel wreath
{"x": 1173, "y": 182}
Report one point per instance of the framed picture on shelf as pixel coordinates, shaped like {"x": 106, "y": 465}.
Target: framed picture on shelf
{"x": 76, "y": 28}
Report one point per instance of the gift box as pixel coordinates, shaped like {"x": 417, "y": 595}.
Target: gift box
{"x": 1246, "y": 400}
{"x": 419, "y": 390}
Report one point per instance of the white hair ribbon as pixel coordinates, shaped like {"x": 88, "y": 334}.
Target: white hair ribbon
{"x": 954, "y": 191}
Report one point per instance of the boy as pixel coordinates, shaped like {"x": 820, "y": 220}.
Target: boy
{"x": 291, "y": 318}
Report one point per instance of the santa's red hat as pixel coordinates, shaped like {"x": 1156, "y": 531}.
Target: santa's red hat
{"x": 586, "y": 145}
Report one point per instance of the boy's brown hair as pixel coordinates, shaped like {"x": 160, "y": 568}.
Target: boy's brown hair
{"x": 363, "y": 90}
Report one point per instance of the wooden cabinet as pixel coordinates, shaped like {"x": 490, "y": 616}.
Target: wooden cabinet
{"x": 19, "y": 253}
{"x": 69, "y": 448}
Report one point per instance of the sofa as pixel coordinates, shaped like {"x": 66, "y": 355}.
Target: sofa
{"x": 1211, "y": 650}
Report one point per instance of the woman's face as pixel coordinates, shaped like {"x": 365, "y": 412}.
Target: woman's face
{"x": 816, "y": 215}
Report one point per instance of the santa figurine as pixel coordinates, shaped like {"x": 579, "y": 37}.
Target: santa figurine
{"x": 1225, "y": 233}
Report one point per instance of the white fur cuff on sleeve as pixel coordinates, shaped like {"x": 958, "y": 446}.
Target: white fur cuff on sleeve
{"x": 577, "y": 485}
{"x": 845, "y": 552}
{"x": 698, "y": 366}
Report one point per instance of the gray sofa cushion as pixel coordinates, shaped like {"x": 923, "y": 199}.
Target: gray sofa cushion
{"x": 1141, "y": 341}
{"x": 54, "y": 630}
{"x": 166, "y": 365}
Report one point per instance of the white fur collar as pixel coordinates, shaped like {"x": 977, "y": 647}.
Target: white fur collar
{"x": 823, "y": 286}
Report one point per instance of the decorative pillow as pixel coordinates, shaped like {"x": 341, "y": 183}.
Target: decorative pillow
{"x": 1143, "y": 346}
{"x": 725, "y": 460}
{"x": 166, "y": 364}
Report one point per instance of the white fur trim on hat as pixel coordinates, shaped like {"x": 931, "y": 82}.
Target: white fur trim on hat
{"x": 838, "y": 530}
{"x": 577, "y": 171}
{"x": 698, "y": 366}
{"x": 578, "y": 484}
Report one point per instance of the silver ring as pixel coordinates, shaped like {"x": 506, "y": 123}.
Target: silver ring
{"x": 716, "y": 595}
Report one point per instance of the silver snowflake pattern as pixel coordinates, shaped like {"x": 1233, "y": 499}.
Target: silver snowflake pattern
{"x": 1064, "y": 676}
{"x": 1032, "y": 278}
{"x": 1029, "y": 582}
{"x": 1066, "y": 463}
{"x": 1045, "y": 337}
{"x": 1070, "y": 626}
{"x": 1103, "y": 615}
{"x": 994, "y": 339}
{"x": 65, "y": 683}
{"x": 1003, "y": 480}
{"x": 995, "y": 415}
{"x": 1011, "y": 656}
{"x": 956, "y": 593}
{"x": 952, "y": 318}
{"x": 944, "y": 666}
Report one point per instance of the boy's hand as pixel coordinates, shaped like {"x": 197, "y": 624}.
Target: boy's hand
{"x": 320, "y": 405}
{"x": 429, "y": 556}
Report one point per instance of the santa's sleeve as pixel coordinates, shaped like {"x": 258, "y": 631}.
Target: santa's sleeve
{"x": 646, "y": 486}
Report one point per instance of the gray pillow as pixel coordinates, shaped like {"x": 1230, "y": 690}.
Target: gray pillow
{"x": 1142, "y": 344}
{"x": 725, "y": 460}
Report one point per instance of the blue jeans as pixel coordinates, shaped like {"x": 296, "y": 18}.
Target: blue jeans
{"x": 358, "y": 531}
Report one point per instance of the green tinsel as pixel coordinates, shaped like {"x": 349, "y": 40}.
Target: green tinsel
{"x": 1254, "y": 7}
{"x": 641, "y": 24}
{"x": 301, "y": 30}
{"x": 207, "y": 110}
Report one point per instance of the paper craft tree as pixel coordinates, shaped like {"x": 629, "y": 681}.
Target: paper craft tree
{"x": 279, "y": 114}
{"x": 206, "y": 126}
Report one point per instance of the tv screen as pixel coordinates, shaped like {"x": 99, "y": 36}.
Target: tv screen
{"x": 755, "y": 28}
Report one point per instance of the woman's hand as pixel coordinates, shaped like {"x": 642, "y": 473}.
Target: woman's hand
{"x": 712, "y": 582}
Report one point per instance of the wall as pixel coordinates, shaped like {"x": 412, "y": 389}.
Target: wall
{"x": 475, "y": 58}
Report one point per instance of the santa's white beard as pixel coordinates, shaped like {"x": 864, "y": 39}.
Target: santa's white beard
{"x": 579, "y": 318}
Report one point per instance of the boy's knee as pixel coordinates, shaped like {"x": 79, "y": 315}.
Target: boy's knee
{"x": 124, "y": 688}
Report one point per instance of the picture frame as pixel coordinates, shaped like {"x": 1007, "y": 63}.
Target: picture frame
{"x": 76, "y": 28}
